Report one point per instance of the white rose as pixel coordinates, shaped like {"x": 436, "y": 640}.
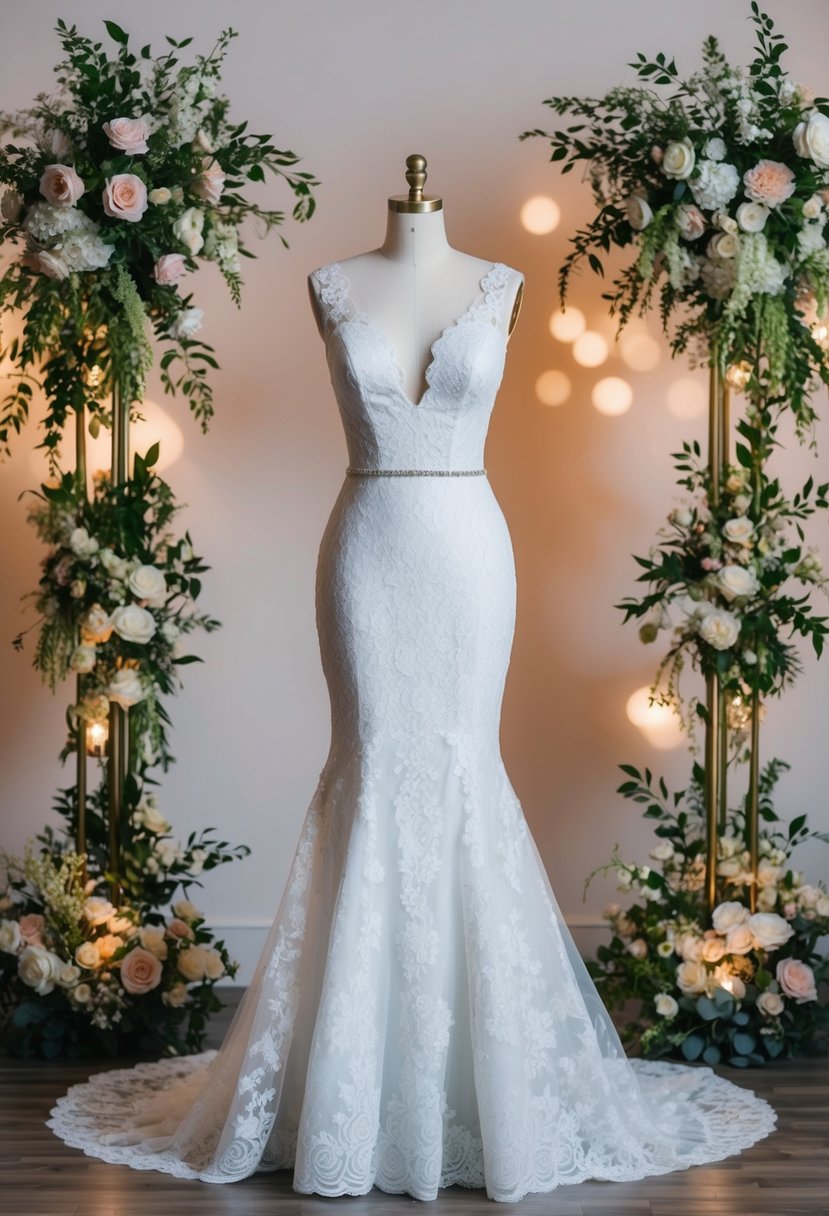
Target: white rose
{"x": 160, "y": 196}
{"x": 822, "y": 906}
{"x": 663, "y": 851}
{"x": 639, "y": 212}
{"x": 666, "y": 1006}
{"x": 770, "y": 1003}
{"x": 148, "y": 583}
{"x": 689, "y": 947}
{"x": 807, "y": 896}
{"x": 133, "y": 624}
{"x": 170, "y": 630}
{"x": 87, "y": 955}
{"x": 737, "y": 582}
{"x": 69, "y": 974}
{"x": 739, "y": 530}
{"x": 192, "y": 962}
{"x": 97, "y": 910}
{"x": 719, "y": 629}
{"x": 770, "y": 930}
{"x": 39, "y": 968}
{"x": 184, "y": 910}
{"x": 82, "y": 994}
{"x": 188, "y": 229}
{"x": 692, "y": 977}
{"x": 638, "y": 948}
{"x": 126, "y": 687}
{"x": 96, "y": 625}
{"x": 82, "y": 658}
{"x": 811, "y": 139}
{"x": 82, "y": 543}
{"x": 767, "y": 874}
{"x": 10, "y": 939}
{"x": 152, "y": 938}
{"x": 729, "y": 915}
{"x": 713, "y": 949}
{"x": 678, "y": 160}
{"x": 752, "y": 216}
{"x": 116, "y": 567}
{"x": 149, "y": 816}
{"x": 167, "y": 853}
{"x": 186, "y": 323}
{"x": 723, "y": 245}
{"x": 739, "y": 940}
{"x": 767, "y": 899}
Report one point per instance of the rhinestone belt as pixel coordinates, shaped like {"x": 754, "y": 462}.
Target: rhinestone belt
{"x": 352, "y": 472}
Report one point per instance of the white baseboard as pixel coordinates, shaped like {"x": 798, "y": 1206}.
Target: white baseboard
{"x": 245, "y": 939}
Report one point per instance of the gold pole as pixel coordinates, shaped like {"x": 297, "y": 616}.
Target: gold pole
{"x": 716, "y": 741}
{"x": 753, "y": 800}
{"x": 80, "y": 733}
{"x": 712, "y": 732}
{"x": 722, "y": 396}
{"x": 118, "y": 743}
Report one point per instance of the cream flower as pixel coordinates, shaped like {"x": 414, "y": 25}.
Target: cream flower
{"x": 133, "y": 623}
{"x": 97, "y": 910}
{"x": 770, "y": 930}
{"x": 126, "y": 687}
{"x": 82, "y": 659}
{"x": 69, "y": 975}
{"x": 148, "y": 816}
{"x": 723, "y": 245}
{"x": 739, "y": 940}
{"x": 187, "y": 911}
{"x": 797, "y": 980}
{"x": 192, "y": 963}
{"x": 214, "y": 968}
{"x": 678, "y": 159}
{"x": 715, "y": 184}
{"x": 639, "y": 212}
{"x": 811, "y": 139}
{"x": 665, "y": 1005}
{"x": 148, "y": 582}
{"x": 188, "y": 229}
{"x": 81, "y": 994}
{"x": 770, "y": 182}
{"x": 737, "y": 582}
{"x": 739, "y": 530}
{"x": 160, "y": 196}
{"x": 719, "y": 629}
{"x": 82, "y": 544}
{"x": 39, "y": 968}
{"x": 10, "y": 939}
{"x": 86, "y": 955}
{"x": 770, "y": 1003}
{"x": 96, "y": 625}
{"x": 176, "y": 996}
{"x": 691, "y": 977}
{"x": 713, "y": 950}
{"x": 186, "y": 323}
{"x": 638, "y": 948}
{"x": 153, "y": 938}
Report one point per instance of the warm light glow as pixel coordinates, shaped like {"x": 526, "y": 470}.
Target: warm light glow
{"x": 612, "y": 395}
{"x": 738, "y": 375}
{"x": 97, "y": 734}
{"x": 567, "y": 324}
{"x": 553, "y": 388}
{"x": 687, "y": 398}
{"x": 540, "y": 215}
{"x": 658, "y": 723}
{"x": 727, "y": 982}
{"x": 155, "y": 426}
{"x": 640, "y": 351}
{"x": 820, "y": 333}
{"x": 590, "y": 349}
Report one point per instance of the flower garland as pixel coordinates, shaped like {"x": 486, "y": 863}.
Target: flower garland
{"x": 743, "y": 988}
{"x": 129, "y": 177}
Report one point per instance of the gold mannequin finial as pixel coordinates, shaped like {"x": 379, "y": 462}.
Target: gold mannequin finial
{"x": 415, "y": 201}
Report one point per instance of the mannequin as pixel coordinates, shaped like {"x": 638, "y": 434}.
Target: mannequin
{"x": 415, "y": 285}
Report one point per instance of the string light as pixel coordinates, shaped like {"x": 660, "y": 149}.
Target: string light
{"x": 540, "y": 215}
{"x": 553, "y": 387}
{"x": 97, "y": 734}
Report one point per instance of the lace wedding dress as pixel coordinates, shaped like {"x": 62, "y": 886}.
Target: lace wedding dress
{"x": 420, "y": 1015}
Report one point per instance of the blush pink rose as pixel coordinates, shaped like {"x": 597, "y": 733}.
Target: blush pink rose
{"x": 180, "y": 929}
{"x": 61, "y": 186}
{"x": 210, "y": 183}
{"x": 769, "y": 182}
{"x": 169, "y": 268}
{"x": 796, "y": 979}
{"x": 128, "y": 134}
{"x": 125, "y": 197}
{"x": 31, "y": 928}
{"x": 690, "y": 221}
{"x": 140, "y": 971}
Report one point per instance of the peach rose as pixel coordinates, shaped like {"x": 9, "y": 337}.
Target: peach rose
{"x": 210, "y": 183}
{"x": 769, "y": 182}
{"x": 169, "y": 268}
{"x": 125, "y": 197}
{"x": 140, "y": 971}
{"x": 61, "y": 186}
{"x": 796, "y": 979}
{"x": 180, "y": 929}
{"x": 31, "y": 928}
{"x": 713, "y": 950}
{"x": 128, "y": 134}
{"x": 690, "y": 221}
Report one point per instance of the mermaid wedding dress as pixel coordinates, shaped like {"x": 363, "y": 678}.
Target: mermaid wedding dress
{"x": 419, "y": 1015}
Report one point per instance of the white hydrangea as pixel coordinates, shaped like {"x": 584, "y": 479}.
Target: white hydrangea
{"x": 718, "y": 276}
{"x": 758, "y": 270}
{"x": 810, "y": 239}
{"x": 84, "y": 251}
{"x": 714, "y": 184}
{"x": 43, "y": 221}
{"x": 222, "y": 245}
{"x": 715, "y": 148}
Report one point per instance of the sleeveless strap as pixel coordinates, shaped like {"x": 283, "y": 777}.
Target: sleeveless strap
{"x": 332, "y": 290}
{"x": 495, "y": 297}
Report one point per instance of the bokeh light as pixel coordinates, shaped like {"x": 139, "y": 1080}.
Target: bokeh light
{"x": 687, "y": 398}
{"x": 540, "y": 215}
{"x": 612, "y": 395}
{"x": 553, "y": 387}
{"x": 658, "y": 723}
{"x": 640, "y": 351}
{"x": 590, "y": 349}
{"x": 567, "y": 324}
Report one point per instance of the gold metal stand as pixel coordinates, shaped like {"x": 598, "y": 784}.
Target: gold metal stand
{"x": 118, "y": 750}
{"x": 80, "y": 730}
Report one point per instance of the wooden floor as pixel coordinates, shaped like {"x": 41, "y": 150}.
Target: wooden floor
{"x": 786, "y": 1173}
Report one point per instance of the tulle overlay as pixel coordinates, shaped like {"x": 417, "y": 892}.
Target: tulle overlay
{"x": 419, "y": 1015}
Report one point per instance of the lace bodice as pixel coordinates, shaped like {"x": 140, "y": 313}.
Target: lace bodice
{"x": 447, "y": 428}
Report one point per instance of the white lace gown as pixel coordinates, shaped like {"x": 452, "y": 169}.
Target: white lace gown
{"x": 419, "y": 1015}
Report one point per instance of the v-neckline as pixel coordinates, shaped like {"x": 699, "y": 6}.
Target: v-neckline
{"x": 364, "y": 318}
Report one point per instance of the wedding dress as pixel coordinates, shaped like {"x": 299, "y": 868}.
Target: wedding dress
{"x": 420, "y": 1015}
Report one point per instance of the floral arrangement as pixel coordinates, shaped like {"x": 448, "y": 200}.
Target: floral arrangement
{"x": 126, "y": 178}
{"x": 735, "y": 578}
{"x": 719, "y": 180}
{"x": 739, "y": 987}
{"x": 116, "y": 598}
{"x": 79, "y": 975}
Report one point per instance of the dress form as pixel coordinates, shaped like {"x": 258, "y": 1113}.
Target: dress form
{"x": 415, "y": 284}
